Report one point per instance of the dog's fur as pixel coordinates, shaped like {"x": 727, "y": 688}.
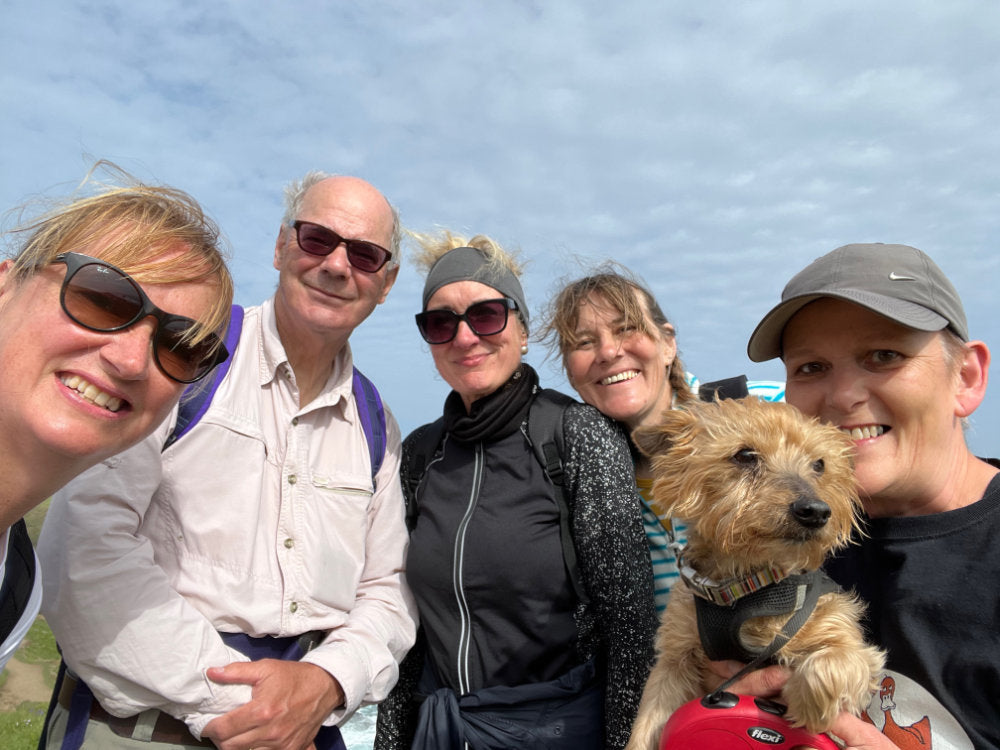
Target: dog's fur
{"x": 733, "y": 471}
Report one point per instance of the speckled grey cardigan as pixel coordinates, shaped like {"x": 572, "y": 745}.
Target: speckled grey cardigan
{"x": 618, "y": 624}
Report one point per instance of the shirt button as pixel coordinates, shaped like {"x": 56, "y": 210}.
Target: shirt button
{"x": 292, "y": 479}
{"x": 289, "y": 543}
{"x": 293, "y": 607}
{"x": 295, "y": 421}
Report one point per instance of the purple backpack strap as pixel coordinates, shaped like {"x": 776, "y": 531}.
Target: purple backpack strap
{"x": 372, "y": 415}
{"x": 197, "y": 396}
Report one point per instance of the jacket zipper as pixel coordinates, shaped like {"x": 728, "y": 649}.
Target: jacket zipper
{"x": 465, "y": 631}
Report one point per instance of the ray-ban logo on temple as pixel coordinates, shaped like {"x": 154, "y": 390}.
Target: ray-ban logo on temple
{"x": 316, "y": 239}
{"x": 100, "y": 297}
{"x": 484, "y": 318}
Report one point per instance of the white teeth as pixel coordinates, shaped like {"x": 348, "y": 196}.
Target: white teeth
{"x": 863, "y": 433}
{"x": 92, "y": 393}
{"x": 627, "y": 375}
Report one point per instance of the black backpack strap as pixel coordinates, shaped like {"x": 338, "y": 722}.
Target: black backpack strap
{"x": 423, "y": 445}
{"x": 726, "y": 388}
{"x": 545, "y": 433}
{"x": 197, "y": 396}
{"x": 18, "y": 580}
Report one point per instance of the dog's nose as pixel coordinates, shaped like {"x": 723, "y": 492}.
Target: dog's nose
{"x": 810, "y": 512}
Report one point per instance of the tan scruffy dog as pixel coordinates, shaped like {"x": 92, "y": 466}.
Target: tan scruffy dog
{"x": 766, "y": 494}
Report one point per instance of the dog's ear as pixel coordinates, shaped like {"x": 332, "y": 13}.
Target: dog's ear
{"x": 658, "y": 438}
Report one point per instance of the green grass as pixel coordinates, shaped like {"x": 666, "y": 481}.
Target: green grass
{"x": 21, "y": 728}
{"x": 39, "y": 647}
{"x": 33, "y": 519}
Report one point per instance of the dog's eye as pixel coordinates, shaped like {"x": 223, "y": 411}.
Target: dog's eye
{"x": 746, "y": 457}
{"x": 819, "y": 465}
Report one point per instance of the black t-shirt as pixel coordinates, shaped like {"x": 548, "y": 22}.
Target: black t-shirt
{"x": 932, "y": 587}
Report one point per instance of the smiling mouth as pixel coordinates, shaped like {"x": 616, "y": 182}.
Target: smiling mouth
{"x": 864, "y": 432}
{"x": 473, "y": 360}
{"x": 620, "y": 377}
{"x": 92, "y": 393}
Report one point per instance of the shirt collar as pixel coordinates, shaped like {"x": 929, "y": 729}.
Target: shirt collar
{"x": 274, "y": 363}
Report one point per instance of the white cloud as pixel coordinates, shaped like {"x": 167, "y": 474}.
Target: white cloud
{"x": 715, "y": 148}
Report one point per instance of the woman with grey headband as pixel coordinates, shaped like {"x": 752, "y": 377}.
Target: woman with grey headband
{"x": 535, "y": 594}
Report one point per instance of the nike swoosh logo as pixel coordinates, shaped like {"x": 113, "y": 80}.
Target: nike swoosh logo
{"x": 893, "y": 276}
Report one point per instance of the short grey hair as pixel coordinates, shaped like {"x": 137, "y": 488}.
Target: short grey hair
{"x": 296, "y": 190}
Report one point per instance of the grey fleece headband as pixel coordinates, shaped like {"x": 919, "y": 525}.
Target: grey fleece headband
{"x": 470, "y": 264}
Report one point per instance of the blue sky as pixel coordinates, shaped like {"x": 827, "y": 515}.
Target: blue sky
{"x": 714, "y": 148}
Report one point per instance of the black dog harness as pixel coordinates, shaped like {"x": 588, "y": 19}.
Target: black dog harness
{"x": 719, "y": 624}
{"x": 722, "y": 610}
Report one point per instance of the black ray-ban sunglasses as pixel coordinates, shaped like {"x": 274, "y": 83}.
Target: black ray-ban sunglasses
{"x": 484, "y": 318}
{"x": 316, "y": 239}
{"x": 100, "y": 297}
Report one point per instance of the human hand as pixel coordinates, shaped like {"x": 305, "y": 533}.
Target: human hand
{"x": 857, "y": 734}
{"x": 289, "y": 704}
{"x": 764, "y": 683}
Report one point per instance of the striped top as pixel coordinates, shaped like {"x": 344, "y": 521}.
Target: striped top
{"x": 665, "y": 571}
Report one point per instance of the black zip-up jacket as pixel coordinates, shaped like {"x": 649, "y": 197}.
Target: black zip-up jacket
{"x": 486, "y": 567}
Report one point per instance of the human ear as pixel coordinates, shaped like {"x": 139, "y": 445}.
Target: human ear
{"x": 973, "y": 374}
{"x": 279, "y": 247}
{"x": 390, "y": 279}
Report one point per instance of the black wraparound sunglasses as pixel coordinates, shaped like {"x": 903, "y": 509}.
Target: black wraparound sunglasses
{"x": 316, "y": 239}
{"x": 100, "y": 297}
{"x": 484, "y": 318}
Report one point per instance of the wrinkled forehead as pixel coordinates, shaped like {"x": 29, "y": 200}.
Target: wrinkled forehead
{"x": 601, "y": 309}
{"x": 596, "y": 308}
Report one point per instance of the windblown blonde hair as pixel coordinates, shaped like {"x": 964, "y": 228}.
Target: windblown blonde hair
{"x": 428, "y": 249}
{"x": 157, "y": 234}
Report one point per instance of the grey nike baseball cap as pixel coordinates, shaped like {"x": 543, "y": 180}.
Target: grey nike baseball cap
{"x": 896, "y": 281}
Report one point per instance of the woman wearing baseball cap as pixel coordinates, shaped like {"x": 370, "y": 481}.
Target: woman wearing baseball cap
{"x": 875, "y": 341}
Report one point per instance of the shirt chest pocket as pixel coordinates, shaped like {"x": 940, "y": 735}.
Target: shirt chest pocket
{"x": 347, "y": 486}
{"x": 335, "y": 518}
{"x": 339, "y": 501}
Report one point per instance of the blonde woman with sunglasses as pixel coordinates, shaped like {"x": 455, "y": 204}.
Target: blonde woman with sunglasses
{"x": 522, "y": 643}
{"x": 112, "y": 303}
